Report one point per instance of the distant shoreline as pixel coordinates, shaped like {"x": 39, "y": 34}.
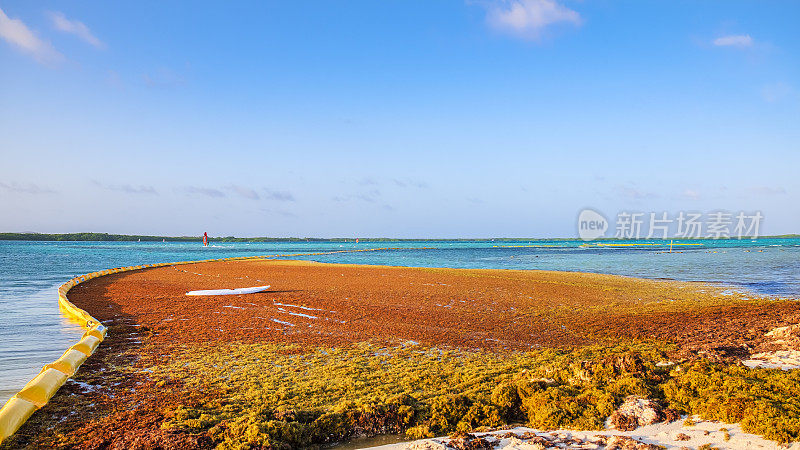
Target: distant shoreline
{"x": 106, "y": 237}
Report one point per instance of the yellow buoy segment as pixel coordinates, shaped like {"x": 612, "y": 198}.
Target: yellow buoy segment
{"x": 69, "y": 362}
{"x": 87, "y": 345}
{"x": 15, "y": 412}
{"x": 98, "y": 331}
{"x": 40, "y": 389}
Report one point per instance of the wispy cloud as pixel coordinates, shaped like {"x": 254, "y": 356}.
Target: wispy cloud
{"x": 203, "y": 191}
{"x": 238, "y": 191}
{"x": 410, "y": 183}
{"x": 16, "y": 33}
{"x": 75, "y": 27}
{"x": 281, "y": 196}
{"x": 370, "y": 196}
{"x": 25, "y": 188}
{"x": 632, "y": 192}
{"x": 767, "y": 190}
{"x": 126, "y": 188}
{"x": 243, "y": 191}
{"x": 734, "y": 40}
{"x": 528, "y": 19}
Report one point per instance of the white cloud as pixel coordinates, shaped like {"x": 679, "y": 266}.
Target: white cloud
{"x": 16, "y": 33}
{"x": 734, "y": 40}
{"x": 529, "y": 18}
{"x": 61, "y": 23}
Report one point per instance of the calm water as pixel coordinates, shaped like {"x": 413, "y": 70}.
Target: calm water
{"x": 34, "y": 333}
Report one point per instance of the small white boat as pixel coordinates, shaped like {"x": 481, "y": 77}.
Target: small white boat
{"x": 249, "y": 290}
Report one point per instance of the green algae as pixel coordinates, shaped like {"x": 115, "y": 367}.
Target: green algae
{"x": 288, "y": 395}
{"x": 281, "y": 396}
{"x": 764, "y": 401}
{"x": 293, "y": 396}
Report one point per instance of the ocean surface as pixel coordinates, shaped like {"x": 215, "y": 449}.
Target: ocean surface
{"x": 34, "y": 333}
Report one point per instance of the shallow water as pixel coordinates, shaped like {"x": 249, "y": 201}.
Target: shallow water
{"x": 34, "y": 333}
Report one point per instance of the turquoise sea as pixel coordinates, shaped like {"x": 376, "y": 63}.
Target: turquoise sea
{"x": 34, "y": 333}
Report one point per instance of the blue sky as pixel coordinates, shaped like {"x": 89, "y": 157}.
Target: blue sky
{"x": 394, "y": 118}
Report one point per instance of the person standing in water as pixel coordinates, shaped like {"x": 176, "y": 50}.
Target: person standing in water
{"x": 205, "y": 239}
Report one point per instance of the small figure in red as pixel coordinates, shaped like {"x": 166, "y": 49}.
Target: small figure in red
{"x": 205, "y": 239}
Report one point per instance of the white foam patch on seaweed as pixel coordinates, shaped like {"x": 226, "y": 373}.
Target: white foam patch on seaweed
{"x": 307, "y": 308}
{"x": 282, "y": 322}
{"x": 85, "y": 386}
{"x": 300, "y": 315}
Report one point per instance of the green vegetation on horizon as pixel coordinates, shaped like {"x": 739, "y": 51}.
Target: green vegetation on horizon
{"x": 106, "y": 237}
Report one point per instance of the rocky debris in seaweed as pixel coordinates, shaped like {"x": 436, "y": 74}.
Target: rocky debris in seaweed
{"x": 523, "y": 441}
{"x": 637, "y": 411}
{"x": 628, "y": 443}
{"x": 787, "y": 333}
{"x": 533, "y": 441}
{"x": 781, "y": 350}
{"x": 466, "y": 441}
{"x": 528, "y": 437}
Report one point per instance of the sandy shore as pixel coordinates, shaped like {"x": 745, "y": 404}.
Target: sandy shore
{"x": 159, "y": 358}
{"x": 672, "y": 435}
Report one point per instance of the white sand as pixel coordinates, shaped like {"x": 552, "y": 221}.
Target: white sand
{"x": 785, "y": 358}
{"x": 664, "y": 434}
{"x": 780, "y": 359}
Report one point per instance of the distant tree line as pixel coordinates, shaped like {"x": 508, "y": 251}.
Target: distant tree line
{"x": 91, "y": 237}
{"x": 132, "y": 237}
